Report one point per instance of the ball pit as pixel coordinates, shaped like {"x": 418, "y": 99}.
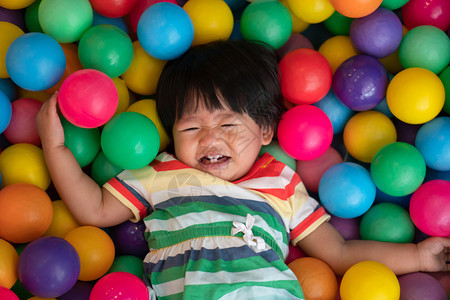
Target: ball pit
{"x": 311, "y": 11}
{"x": 9, "y": 260}
{"x": 420, "y": 12}
{"x": 22, "y": 126}
{"x": 113, "y": 8}
{"x": 420, "y": 286}
{"x": 119, "y": 285}
{"x": 10, "y": 33}
{"x": 5, "y": 111}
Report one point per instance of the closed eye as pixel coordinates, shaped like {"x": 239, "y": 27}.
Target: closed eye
{"x": 228, "y": 125}
{"x": 189, "y": 129}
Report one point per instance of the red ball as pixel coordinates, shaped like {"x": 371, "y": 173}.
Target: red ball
{"x": 113, "y": 8}
{"x": 305, "y": 76}
{"x": 119, "y": 285}
{"x": 88, "y": 98}
{"x": 427, "y": 12}
{"x": 305, "y": 132}
{"x": 139, "y": 9}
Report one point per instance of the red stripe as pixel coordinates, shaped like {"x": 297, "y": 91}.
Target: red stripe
{"x": 168, "y": 165}
{"x": 129, "y": 196}
{"x": 307, "y": 222}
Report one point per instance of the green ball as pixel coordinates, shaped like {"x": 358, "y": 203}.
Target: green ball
{"x": 128, "y": 263}
{"x": 106, "y": 48}
{"x": 267, "y": 21}
{"x": 65, "y": 20}
{"x": 398, "y": 169}
{"x": 102, "y": 170}
{"x": 387, "y": 222}
{"x": 393, "y": 4}
{"x": 130, "y": 140}
{"x": 445, "y": 78}
{"x": 425, "y": 47}
{"x": 83, "y": 142}
{"x": 338, "y": 24}
{"x": 32, "y": 18}
{"x": 276, "y": 151}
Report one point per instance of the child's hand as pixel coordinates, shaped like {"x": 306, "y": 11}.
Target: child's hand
{"x": 49, "y": 125}
{"x": 434, "y": 254}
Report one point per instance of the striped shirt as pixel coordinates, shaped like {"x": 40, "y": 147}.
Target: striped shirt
{"x": 214, "y": 239}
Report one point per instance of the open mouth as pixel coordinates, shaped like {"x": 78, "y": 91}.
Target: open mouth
{"x": 214, "y": 159}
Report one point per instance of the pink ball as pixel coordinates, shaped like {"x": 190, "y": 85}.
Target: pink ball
{"x": 88, "y": 98}
{"x": 7, "y": 294}
{"x": 427, "y": 12}
{"x": 430, "y": 207}
{"x": 120, "y": 286}
{"x": 305, "y": 132}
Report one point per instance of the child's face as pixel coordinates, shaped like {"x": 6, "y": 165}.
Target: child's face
{"x": 222, "y": 143}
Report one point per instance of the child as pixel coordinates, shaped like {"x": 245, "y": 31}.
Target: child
{"x": 219, "y": 219}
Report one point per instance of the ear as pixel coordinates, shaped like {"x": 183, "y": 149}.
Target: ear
{"x": 267, "y": 136}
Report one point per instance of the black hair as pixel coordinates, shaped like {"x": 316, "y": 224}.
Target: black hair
{"x": 239, "y": 74}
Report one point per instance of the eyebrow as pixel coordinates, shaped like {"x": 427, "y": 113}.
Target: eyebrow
{"x": 191, "y": 117}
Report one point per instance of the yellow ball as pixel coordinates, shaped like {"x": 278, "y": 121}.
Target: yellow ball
{"x": 311, "y": 11}
{"x": 147, "y": 107}
{"x": 298, "y": 25}
{"x": 143, "y": 73}
{"x": 337, "y": 49}
{"x": 366, "y": 133}
{"x": 8, "y": 33}
{"x": 15, "y": 4}
{"x": 24, "y": 163}
{"x": 212, "y": 20}
{"x": 415, "y": 95}
{"x": 96, "y": 251}
{"x": 369, "y": 280}
{"x": 63, "y": 221}
{"x": 124, "y": 95}
{"x": 9, "y": 262}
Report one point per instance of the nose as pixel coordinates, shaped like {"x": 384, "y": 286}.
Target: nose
{"x": 210, "y": 136}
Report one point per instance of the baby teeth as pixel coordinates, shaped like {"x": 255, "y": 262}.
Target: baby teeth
{"x": 213, "y": 158}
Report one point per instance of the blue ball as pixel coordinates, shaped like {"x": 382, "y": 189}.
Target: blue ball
{"x": 8, "y": 87}
{"x": 346, "y": 190}
{"x": 35, "y": 61}
{"x": 5, "y": 111}
{"x": 165, "y": 30}
{"x": 433, "y": 142}
{"x": 98, "y": 19}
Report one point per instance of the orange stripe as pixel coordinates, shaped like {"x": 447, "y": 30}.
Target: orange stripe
{"x": 307, "y": 222}
{"x": 129, "y": 196}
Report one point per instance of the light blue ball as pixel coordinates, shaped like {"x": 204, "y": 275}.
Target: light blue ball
{"x": 8, "y": 87}
{"x": 346, "y": 190}
{"x": 433, "y": 142}
{"x": 165, "y": 30}
{"x": 5, "y": 111}
{"x": 98, "y": 19}
{"x": 35, "y": 61}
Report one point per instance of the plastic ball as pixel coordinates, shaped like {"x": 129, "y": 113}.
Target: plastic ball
{"x": 113, "y": 8}
{"x": 387, "y": 222}
{"x": 103, "y": 170}
{"x": 119, "y": 285}
{"x": 421, "y": 12}
{"x": 398, "y": 169}
{"x": 355, "y": 8}
{"x": 278, "y": 153}
{"x": 62, "y": 221}
{"x": 96, "y": 251}
{"x": 65, "y": 20}
{"x": 7, "y": 294}
{"x": 88, "y": 98}
{"x": 9, "y": 260}
{"x": 32, "y": 17}
{"x": 8, "y": 87}
{"x": 369, "y": 280}
{"x": 295, "y": 41}
{"x": 10, "y": 32}
{"x": 378, "y": 34}
{"x": 420, "y": 285}
{"x": 337, "y": 49}
{"x": 143, "y": 74}
{"x": 13, "y": 16}
{"x": 212, "y": 20}
{"x": 393, "y": 4}
{"x": 445, "y": 78}
{"x": 5, "y": 111}
{"x": 124, "y": 95}
{"x": 102, "y": 20}
{"x": 298, "y": 25}
{"x": 130, "y": 140}
{"x": 346, "y": 190}
{"x": 80, "y": 291}
{"x": 406, "y": 132}
{"x": 415, "y": 95}
{"x": 402, "y": 201}
{"x": 430, "y": 207}
{"x": 425, "y": 47}
{"x": 366, "y": 133}
{"x": 348, "y": 228}
{"x": 147, "y": 107}
{"x": 129, "y": 239}
{"x": 316, "y": 278}
{"x": 360, "y": 82}
{"x": 49, "y": 267}
{"x": 137, "y": 11}
{"x": 106, "y": 48}
{"x": 165, "y": 31}
{"x": 305, "y": 76}
{"x": 24, "y": 163}
{"x": 311, "y": 171}
{"x": 311, "y": 11}
{"x": 338, "y": 24}
{"x": 305, "y": 132}
{"x": 268, "y": 21}
{"x": 35, "y": 61}
{"x": 16, "y": 4}
{"x": 128, "y": 263}
{"x": 294, "y": 253}
{"x": 22, "y": 127}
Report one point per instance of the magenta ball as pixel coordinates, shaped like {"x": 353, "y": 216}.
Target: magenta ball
{"x": 378, "y": 34}
{"x": 427, "y": 12}
{"x": 430, "y": 207}
{"x": 120, "y": 286}
{"x": 305, "y": 132}
{"x": 420, "y": 286}
{"x": 88, "y": 98}
{"x": 7, "y": 294}
{"x": 348, "y": 228}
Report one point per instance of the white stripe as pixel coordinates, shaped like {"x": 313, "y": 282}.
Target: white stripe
{"x": 134, "y": 183}
{"x": 258, "y": 292}
{"x": 169, "y": 287}
{"x": 278, "y": 182}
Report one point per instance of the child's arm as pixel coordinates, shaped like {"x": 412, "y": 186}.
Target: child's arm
{"x": 328, "y": 245}
{"x": 88, "y": 203}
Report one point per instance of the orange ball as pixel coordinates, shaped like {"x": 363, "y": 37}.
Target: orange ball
{"x": 26, "y": 212}
{"x": 355, "y": 8}
{"x": 9, "y": 262}
{"x": 316, "y": 278}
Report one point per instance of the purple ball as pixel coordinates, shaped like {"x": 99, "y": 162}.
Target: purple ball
{"x": 360, "y": 82}
{"x": 348, "y": 228}
{"x": 14, "y": 16}
{"x": 378, "y": 34}
{"x": 406, "y": 132}
{"x": 80, "y": 291}
{"x": 129, "y": 239}
{"x": 420, "y": 286}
